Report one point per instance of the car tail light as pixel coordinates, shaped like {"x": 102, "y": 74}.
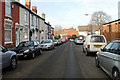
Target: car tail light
{"x": 57, "y": 42}
{"x": 88, "y": 46}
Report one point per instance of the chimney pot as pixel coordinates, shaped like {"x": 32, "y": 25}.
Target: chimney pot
{"x": 34, "y": 8}
{"x": 43, "y": 15}
{"x": 28, "y": 3}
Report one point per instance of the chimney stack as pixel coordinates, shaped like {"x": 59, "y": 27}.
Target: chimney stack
{"x": 43, "y": 15}
{"x": 48, "y": 22}
{"x": 34, "y": 8}
{"x": 28, "y": 3}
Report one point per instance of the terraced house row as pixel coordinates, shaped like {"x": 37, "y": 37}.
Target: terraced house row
{"x": 19, "y": 23}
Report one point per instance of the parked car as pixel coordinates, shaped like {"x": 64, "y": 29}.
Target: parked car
{"x": 55, "y": 42}
{"x": 78, "y": 41}
{"x": 71, "y": 40}
{"x": 93, "y": 43}
{"x": 59, "y": 42}
{"x": 108, "y": 59}
{"x": 28, "y": 49}
{"x": 8, "y": 58}
{"x": 47, "y": 44}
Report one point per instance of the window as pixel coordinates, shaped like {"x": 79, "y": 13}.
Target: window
{"x": 26, "y": 33}
{"x": 106, "y": 49}
{"x": 35, "y": 43}
{"x": 97, "y": 39}
{"x": 36, "y": 22}
{"x": 8, "y": 33}
{"x": 32, "y": 20}
{"x": 26, "y": 44}
{"x": 7, "y": 8}
{"x": 25, "y": 16}
{"x": 115, "y": 47}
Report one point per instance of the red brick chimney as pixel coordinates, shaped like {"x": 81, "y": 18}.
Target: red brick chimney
{"x": 28, "y": 3}
{"x": 43, "y": 15}
{"x": 34, "y": 8}
{"x": 48, "y": 22}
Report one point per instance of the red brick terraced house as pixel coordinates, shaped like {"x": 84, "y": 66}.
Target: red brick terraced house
{"x": 111, "y": 30}
{"x": 10, "y": 21}
{"x": 0, "y": 22}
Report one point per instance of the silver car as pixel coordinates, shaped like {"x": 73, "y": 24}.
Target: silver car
{"x": 47, "y": 44}
{"x": 9, "y": 58}
{"x": 109, "y": 59}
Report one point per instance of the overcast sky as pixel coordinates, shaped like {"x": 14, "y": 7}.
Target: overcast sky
{"x": 71, "y": 13}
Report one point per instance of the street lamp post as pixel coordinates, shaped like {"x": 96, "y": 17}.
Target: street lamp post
{"x": 91, "y": 24}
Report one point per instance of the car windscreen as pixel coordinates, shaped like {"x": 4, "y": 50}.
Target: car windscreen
{"x": 97, "y": 39}
{"x": 79, "y": 39}
{"x": 26, "y": 44}
{"x": 46, "y": 41}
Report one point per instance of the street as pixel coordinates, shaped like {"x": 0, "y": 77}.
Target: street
{"x": 65, "y": 61}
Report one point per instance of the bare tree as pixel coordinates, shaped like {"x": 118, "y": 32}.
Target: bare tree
{"x": 99, "y": 18}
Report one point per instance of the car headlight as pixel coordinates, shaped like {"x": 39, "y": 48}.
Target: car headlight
{"x": 26, "y": 51}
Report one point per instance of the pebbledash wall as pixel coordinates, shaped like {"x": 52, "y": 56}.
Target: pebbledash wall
{"x": 0, "y": 22}
{"x": 11, "y": 21}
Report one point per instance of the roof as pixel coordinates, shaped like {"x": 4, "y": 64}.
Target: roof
{"x": 112, "y": 22}
{"x": 47, "y": 23}
{"x": 21, "y": 5}
{"x": 82, "y": 28}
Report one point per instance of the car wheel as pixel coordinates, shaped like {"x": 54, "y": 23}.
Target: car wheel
{"x": 116, "y": 74}
{"x": 33, "y": 55}
{"x": 97, "y": 62}
{"x": 40, "y": 52}
{"x": 13, "y": 63}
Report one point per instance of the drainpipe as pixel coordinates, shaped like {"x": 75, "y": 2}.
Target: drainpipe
{"x": 29, "y": 27}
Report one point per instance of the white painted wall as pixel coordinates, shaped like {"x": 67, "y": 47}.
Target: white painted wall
{"x": 24, "y": 25}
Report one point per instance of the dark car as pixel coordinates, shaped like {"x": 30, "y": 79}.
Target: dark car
{"x": 7, "y": 58}
{"x": 28, "y": 49}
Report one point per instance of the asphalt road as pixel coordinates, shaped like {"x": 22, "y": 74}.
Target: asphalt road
{"x": 65, "y": 61}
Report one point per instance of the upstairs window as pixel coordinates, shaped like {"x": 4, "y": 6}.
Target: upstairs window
{"x": 7, "y": 8}
{"x": 25, "y": 16}
{"x": 32, "y": 20}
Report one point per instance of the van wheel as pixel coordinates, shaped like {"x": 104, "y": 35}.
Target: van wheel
{"x": 83, "y": 50}
{"x": 87, "y": 53}
{"x": 116, "y": 74}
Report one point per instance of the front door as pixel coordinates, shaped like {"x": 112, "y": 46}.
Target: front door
{"x": 17, "y": 36}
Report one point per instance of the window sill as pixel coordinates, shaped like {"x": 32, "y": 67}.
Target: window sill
{"x": 8, "y": 16}
{"x": 8, "y": 42}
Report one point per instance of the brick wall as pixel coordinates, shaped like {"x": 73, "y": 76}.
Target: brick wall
{"x": 15, "y": 19}
{"x": 69, "y": 32}
{"x": 0, "y": 22}
{"x": 111, "y": 31}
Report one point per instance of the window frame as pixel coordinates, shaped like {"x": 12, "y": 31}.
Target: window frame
{"x": 7, "y": 8}
{"x": 8, "y": 24}
{"x": 25, "y": 16}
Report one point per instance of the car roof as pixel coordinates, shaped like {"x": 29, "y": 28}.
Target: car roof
{"x": 115, "y": 41}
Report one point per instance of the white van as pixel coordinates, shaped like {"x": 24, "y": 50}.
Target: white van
{"x": 93, "y": 43}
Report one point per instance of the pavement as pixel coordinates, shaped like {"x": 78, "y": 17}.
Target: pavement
{"x": 65, "y": 61}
